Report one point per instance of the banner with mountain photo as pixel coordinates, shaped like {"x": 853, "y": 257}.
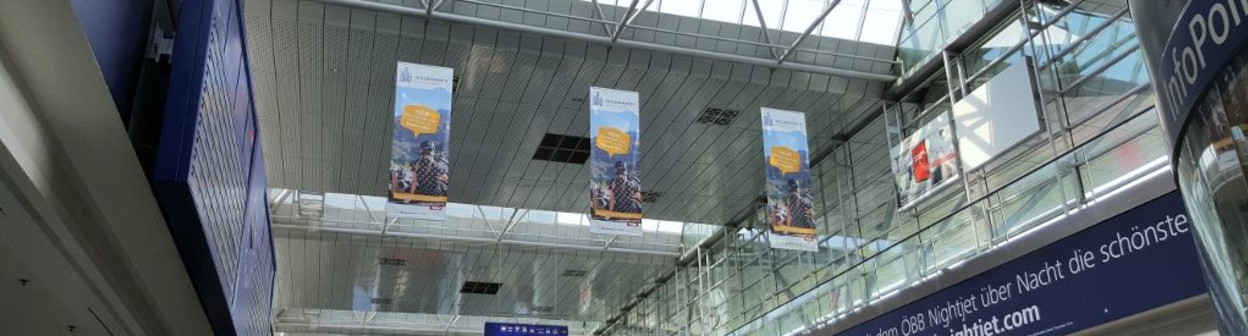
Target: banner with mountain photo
{"x": 615, "y": 182}
{"x": 419, "y": 160}
{"x": 790, "y": 205}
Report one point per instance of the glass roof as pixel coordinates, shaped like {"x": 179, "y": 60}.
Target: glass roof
{"x": 880, "y": 18}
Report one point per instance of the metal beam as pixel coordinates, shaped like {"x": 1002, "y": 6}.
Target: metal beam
{"x": 366, "y": 232}
{"x": 281, "y": 196}
{"x": 638, "y": 12}
{"x": 449, "y": 325}
{"x": 431, "y": 5}
{"x": 609, "y": 242}
{"x": 772, "y": 47}
{"x": 906, "y": 13}
{"x": 789, "y": 52}
{"x": 511, "y": 223}
{"x": 758, "y": 10}
{"x": 606, "y": 28}
{"x": 366, "y": 208}
{"x": 628, "y": 14}
{"x": 487, "y": 220}
{"x": 602, "y": 40}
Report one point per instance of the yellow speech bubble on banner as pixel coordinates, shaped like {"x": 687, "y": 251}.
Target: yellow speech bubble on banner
{"x": 785, "y": 159}
{"x": 420, "y": 119}
{"x": 613, "y": 140}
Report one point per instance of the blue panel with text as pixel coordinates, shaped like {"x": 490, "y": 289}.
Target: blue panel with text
{"x": 509, "y": 329}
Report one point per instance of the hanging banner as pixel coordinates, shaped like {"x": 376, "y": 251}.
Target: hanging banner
{"x": 924, "y": 161}
{"x": 615, "y": 182}
{"x": 418, "y": 156}
{"x": 790, "y": 207}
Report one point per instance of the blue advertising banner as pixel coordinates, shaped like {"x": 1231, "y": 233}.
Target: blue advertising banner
{"x": 419, "y": 155}
{"x": 1204, "y": 39}
{"x": 1139, "y": 260}
{"x": 615, "y": 182}
{"x": 510, "y": 329}
{"x": 790, "y": 206}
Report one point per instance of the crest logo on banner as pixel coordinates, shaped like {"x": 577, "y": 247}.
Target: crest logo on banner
{"x": 419, "y": 156}
{"x": 615, "y": 178}
{"x": 790, "y": 201}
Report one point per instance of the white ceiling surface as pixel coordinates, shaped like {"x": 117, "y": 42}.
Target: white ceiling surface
{"x": 332, "y": 278}
{"x": 343, "y": 272}
{"x": 324, "y": 84}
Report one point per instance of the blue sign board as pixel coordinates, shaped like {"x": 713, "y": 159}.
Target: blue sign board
{"x": 209, "y": 172}
{"x": 1205, "y": 38}
{"x": 510, "y": 329}
{"x": 1139, "y": 260}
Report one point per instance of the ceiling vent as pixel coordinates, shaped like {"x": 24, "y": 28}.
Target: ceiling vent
{"x": 575, "y": 273}
{"x": 474, "y": 287}
{"x": 543, "y": 309}
{"x": 717, "y": 116}
{"x": 650, "y": 196}
{"x": 392, "y": 262}
{"x": 563, "y": 148}
{"x": 381, "y": 301}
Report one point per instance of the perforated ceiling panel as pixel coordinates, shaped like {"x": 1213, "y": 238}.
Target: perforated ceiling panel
{"x": 324, "y": 87}
{"x": 343, "y": 271}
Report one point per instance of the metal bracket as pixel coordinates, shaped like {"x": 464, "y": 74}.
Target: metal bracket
{"x": 160, "y": 46}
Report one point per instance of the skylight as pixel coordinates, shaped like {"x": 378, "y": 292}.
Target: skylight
{"x": 871, "y": 21}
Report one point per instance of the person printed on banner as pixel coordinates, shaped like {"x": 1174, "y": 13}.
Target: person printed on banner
{"x": 625, "y": 190}
{"x": 429, "y": 173}
{"x": 599, "y": 198}
{"x": 394, "y": 177}
{"x": 801, "y": 206}
{"x": 442, "y": 167}
{"x": 777, "y": 212}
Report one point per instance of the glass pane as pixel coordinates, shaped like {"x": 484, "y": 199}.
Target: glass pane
{"x": 882, "y": 25}
{"x": 801, "y": 13}
{"x": 725, "y": 10}
{"x": 772, "y": 9}
{"x": 680, "y": 7}
{"x": 843, "y": 22}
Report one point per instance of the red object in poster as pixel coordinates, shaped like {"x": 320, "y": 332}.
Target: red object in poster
{"x": 918, "y": 155}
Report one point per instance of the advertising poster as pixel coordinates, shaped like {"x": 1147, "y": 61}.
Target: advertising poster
{"x": 790, "y": 206}
{"x": 1137, "y": 261}
{"x": 615, "y": 179}
{"x": 419, "y": 154}
{"x": 925, "y": 160}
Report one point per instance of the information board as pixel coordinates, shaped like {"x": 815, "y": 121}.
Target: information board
{"x": 513, "y": 329}
{"x": 1139, "y": 260}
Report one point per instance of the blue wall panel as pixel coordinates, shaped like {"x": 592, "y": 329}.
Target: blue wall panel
{"x": 209, "y": 173}
{"x": 117, "y": 31}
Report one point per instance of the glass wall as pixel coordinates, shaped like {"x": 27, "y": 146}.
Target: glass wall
{"x": 934, "y": 23}
{"x": 872, "y": 21}
{"x": 1211, "y": 168}
{"x": 1099, "y": 134}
